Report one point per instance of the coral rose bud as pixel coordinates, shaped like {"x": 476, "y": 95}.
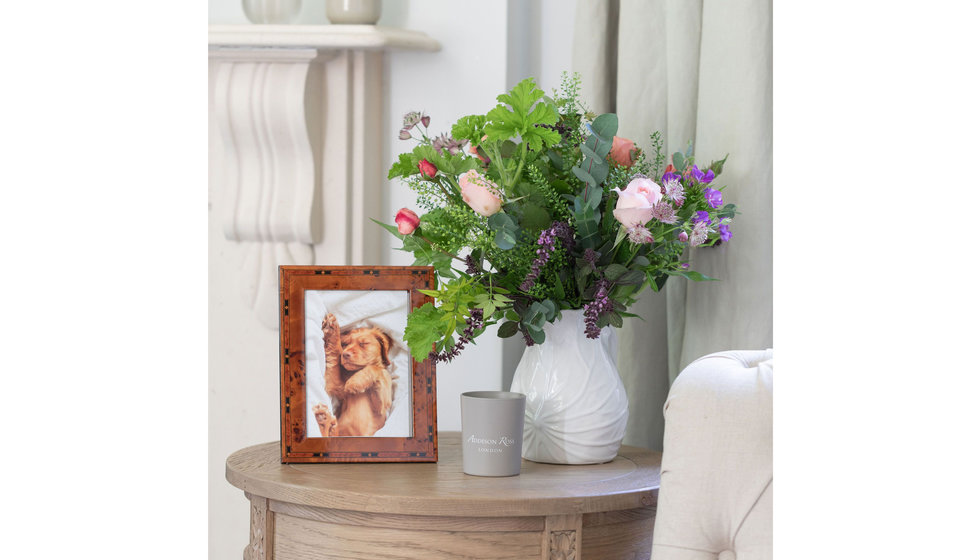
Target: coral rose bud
{"x": 407, "y": 221}
{"x": 476, "y": 151}
{"x": 670, "y": 168}
{"x": 427, "y": 169}
{"x": 623, "y": 152}
{"x": 480, "y": 193}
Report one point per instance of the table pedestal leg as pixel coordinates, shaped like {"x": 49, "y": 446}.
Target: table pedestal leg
{"x": 562, "y": 537}
{"x": 260, "y": 536}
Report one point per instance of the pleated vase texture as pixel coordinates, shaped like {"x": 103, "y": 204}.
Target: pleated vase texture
{"x": 576, "y": 404}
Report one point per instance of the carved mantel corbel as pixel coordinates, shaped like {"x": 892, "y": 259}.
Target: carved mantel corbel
{"x": 298, "y": 110}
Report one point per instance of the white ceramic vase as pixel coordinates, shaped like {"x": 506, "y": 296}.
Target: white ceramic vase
{"x": 272, "y": 11}
{"x": 576, "y": 404}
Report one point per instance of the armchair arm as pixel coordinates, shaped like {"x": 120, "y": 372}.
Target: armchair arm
{"x": 716, "y": 480}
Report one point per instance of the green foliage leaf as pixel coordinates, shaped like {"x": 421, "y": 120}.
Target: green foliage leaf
{"x": 507, "y": 329}
{"x": 605, "y": 126}
{"x": 614, "y": 271}
{"x": 425, "y": 326}
{"x": 631, "y": 278}
{"x": 536, "y": 335}
{"x": 718, "y": 166}
{"x": 585, "y": 177}
{"x": 587, "y": 226}
{"x": 391, "y": 229}
{"x": 692, "y": 275}
{"x": 678, "y": 161}
{"x": 469, "y": 127}
{"x": 505, "y": 230}
{"x": 614, "y": 319}
{"x": 535, "y": 217}
{"x": 522, "y": 117}
{"x": 728, "y": 211}
{"x": 404, "y": 167}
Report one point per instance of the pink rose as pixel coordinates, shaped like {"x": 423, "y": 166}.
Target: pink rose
{"x": 480, "y": 193}
{"x": 427, "y": 169}
{"x": 623, "y": 152}
{"x": 636, "y": 202}
{"x": 407, "y": 221}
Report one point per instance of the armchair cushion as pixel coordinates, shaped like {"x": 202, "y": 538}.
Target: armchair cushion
{"x": 716, "y": 480}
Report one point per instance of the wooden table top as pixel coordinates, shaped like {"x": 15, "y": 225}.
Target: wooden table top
{"x": 631, "y": 480}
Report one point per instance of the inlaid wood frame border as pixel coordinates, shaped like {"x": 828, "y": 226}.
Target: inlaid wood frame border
{"x": 296, "y": 445}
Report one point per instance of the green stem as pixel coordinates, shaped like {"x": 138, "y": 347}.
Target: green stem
{"x": 436, "y": 247}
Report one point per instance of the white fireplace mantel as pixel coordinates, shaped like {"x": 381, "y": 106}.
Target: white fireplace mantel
{"x": 360, "y": 37}
{"x": 299, "y": 112}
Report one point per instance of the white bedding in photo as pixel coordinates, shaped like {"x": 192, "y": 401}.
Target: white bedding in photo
{"x": 384, "y": 309}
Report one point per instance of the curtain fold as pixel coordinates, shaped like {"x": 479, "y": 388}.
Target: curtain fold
{"x": 701, "y": 72}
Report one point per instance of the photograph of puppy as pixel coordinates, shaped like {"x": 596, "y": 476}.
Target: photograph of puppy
{"x": 358, "y": 367}
{"x": 357, "y": 379}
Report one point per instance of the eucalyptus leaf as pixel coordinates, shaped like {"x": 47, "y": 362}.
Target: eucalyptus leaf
{"x": 678, "y": 161}
{"x": 537, "y": 336}
{"x": 585, "y": 177}
{"x": 505, "y": 239}
{"x": 605, "y": 126}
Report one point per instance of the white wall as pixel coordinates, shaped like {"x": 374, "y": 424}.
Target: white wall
{"x": 484, "y": 51}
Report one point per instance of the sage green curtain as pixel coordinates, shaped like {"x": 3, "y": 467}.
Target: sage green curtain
{"x": 697, "y": 71}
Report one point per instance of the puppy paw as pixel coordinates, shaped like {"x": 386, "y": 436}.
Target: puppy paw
{"x": 331, "y": 335}
{"x": 325, "y": 419}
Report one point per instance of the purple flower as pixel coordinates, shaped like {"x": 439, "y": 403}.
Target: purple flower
{"x": 411, "y": 119}
{"x": 682, "y": 236}
{"x": 699, "y": 233}
{"x": 559, "y": 231}
{"x": 599, "y": 304}
{"x": 725, "y": 234}
{"x": 713, "y": 196}
{"x": 703, "y": 176}
{"x": 664, "y": 211}
{"x": 639, "y": 234}
{"x": 473, "y": 323}
{"x": 668, "y": 177}
{"x": 591, "y": 257}
{"x": 445, "y": 142}
{"x": 674, "y": 191}
{"x": 702, "y": 216}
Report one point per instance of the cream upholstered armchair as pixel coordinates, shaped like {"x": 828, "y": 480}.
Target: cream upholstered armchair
{"x": 716, "y": 484}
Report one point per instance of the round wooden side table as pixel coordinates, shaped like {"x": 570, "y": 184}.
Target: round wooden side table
{"x": 433, "y": 511}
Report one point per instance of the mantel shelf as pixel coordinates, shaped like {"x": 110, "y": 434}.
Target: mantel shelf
{"x": 362, "y": 37}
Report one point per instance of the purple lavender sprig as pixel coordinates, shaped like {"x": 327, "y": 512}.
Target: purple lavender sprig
{"x": 473, "y": 323}
{"x": 559, "y": 231}
{"x": 600, "y": 304}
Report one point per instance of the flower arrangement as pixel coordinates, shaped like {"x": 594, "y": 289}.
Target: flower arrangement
{"x": 538, "y": 207}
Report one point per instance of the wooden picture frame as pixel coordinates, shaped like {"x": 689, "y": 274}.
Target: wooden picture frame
{"x": 359, "y": 397}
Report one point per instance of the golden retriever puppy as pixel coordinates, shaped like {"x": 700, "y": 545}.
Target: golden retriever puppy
{"x": 357, "y": 378}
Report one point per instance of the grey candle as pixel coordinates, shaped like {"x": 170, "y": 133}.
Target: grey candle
{"x": 493, "y": 431}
